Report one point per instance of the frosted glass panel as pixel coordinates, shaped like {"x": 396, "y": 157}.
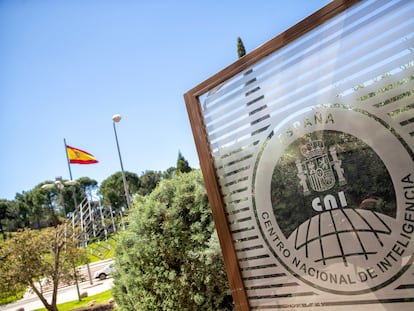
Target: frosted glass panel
{"x": 313, "y": 148}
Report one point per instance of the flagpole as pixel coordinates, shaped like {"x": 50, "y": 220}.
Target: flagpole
{"x": 67, "y": 158}
{"x": 80, "y": 207}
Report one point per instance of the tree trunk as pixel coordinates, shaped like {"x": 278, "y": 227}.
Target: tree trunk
{"x": 48, "y": 306}
{"x": 52, "y": 308}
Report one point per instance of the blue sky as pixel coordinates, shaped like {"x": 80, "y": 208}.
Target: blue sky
{"x": 67, "y": 66}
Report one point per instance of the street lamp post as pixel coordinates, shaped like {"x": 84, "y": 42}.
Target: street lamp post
{"x": 116, "y": 118}
{"x": 60, "y": 184}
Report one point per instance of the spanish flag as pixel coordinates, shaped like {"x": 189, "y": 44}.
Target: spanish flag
{"x": 78, "y": 156}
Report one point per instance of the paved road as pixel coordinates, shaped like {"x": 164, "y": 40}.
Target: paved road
{"x": 93, "y": 267}
{"x": 31, "y": 302}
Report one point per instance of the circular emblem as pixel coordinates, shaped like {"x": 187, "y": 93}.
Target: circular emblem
{"x": 334, "y": 197}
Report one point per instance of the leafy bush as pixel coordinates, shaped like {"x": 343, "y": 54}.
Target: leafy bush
{"x": 169, "y": 257}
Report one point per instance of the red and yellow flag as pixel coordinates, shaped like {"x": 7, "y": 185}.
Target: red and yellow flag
{"x": 78, "y": 156}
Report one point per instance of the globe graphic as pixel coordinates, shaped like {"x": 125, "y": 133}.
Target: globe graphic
{"x": 347, "y": 235}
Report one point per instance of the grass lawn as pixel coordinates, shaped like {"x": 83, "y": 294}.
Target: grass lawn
{"x": 99, "y": 298}
{"x": 10, "y": 299}
{"x": 101, "y": 250}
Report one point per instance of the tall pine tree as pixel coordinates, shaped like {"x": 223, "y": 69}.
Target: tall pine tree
{"x": 241, "y": 51}
{"x": 182, "y": 165}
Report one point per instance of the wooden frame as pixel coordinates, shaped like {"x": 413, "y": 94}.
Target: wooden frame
{"x": 203, "y": 146}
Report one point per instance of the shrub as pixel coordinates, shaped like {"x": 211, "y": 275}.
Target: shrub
{"x": 169, "y": 257}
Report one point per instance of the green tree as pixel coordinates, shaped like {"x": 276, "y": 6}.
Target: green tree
{"x": 169, "y": 257}
{"x": 4, "y": 213}
{"x": 112, "y": 189}
{"x": 87, "y": 186}
{"x": 35, "y": 213}
{"x": 40, "y": 203}
{"x": 182, "y": 165}
{"x": 20, "y": 213}
{"x": 13, "y": 215}
{"x": 169, "y": 173}
{"x": 73, "y": 195}
{"x": 241, "y": 51}
{"x": 33, "y": 258}
{"x": 50, "y": 200}
{"x": 148, "y": 181}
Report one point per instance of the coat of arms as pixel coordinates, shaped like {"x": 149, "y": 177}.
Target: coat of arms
{"x": 317, "y": 170}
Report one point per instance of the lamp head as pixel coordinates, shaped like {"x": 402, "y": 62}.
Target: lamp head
{"x": 116, "y": 117}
